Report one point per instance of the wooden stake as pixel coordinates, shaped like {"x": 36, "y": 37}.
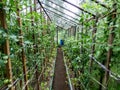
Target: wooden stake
{"x": 6, "y": 45}
{"x": 93, "y": 42}
{"x": 38, "y": 88}
{"x": 110, "y": 42}
{"x": 23, "y": 52}
{"x": 35, "y": 50}
{"x": 82, "y": 27}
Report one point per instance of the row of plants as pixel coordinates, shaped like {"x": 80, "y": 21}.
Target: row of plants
{"x": 30, "y": 41}
{"x": 88, "y": 51}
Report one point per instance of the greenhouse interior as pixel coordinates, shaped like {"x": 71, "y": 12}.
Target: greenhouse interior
{"x": 59, "y": 44}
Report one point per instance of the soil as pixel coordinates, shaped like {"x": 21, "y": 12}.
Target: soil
{"x": 60, "y": 78}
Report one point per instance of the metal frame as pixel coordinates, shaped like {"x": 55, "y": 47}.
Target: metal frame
{"x": 67, "y": 22}
{"x": 60, "y": 11}
{"x": 60, "y": 15}
{"x": 44, "y": 10}
{"x": 103, "y": 5}
{"x": 79, "y": 8}
{"x": 64, "y": 8}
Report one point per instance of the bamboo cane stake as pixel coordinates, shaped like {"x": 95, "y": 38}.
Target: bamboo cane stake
{"x": 38, "y": 88}
{"x": 93, "y": 42}
{"x": 23, "y": 52}
{"x": 6, "y": 46}
{"x": 110, "y": 43}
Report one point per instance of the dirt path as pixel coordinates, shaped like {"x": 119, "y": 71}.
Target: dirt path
{"x": 60, "y": 80}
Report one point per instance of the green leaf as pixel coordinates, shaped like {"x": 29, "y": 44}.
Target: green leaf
{"x": 6, "y": 81}
{"x": 5, "y": 57}
{"x": 2, "y": 62}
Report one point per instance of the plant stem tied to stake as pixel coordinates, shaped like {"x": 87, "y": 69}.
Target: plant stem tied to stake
{"x": 110, "y": 42}
{"x": 93, "y": 42}
{"x": 23, "y": 52}
{"x": 6, "y": 45}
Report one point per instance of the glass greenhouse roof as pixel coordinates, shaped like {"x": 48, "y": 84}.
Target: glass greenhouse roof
{"x": 62, "y": 13}
{"x": 67, "y": 13}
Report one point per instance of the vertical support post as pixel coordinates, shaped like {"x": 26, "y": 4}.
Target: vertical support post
{"x": 74, "y": 33}
{"x": 35, "y": 50}
{"x": 78, "y": 30}
{"x": 35, "y": 2}
{"x": 93, "y": 42}
{"x": 22, "y": 52}
{"x": 6, "y": 45}
{"x": 110, "y": 43}
{"x": 81, "y": 49}
{"x": 68, "y": 31}
{"x": 57, "y": 34}
{"x": 26, "y": 8}
{"x": 41, "y": 14}
{"x": 38, "y": 88}
{"x": 82, "y": 25}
